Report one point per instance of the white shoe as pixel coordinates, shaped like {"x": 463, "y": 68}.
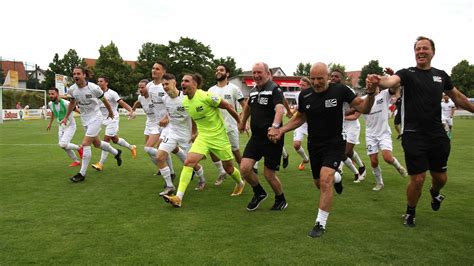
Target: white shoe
{"x": 167, "y": 191}
{"x": 220, "y": 179}
{"x": 378, "y": 187}
{"x": 403, "y": 172}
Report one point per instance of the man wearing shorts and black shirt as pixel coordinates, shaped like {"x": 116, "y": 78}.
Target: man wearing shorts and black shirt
{"x": 322, "y": 108}
{"x": 265, "y": 106}
{"x": 424, "y": 141}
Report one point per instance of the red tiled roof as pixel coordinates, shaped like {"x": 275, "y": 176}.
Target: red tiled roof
{"x": 91, "y": 62}
{"x": 354, "y": 76}
{"x": 14, "y": 65}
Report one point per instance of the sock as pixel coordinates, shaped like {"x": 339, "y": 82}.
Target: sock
{"x": 105, "y": 146}
{"x": 166, "y": 173}
{"x": 86, "y": 158}
{"x": 322, "y": 217}
{"x": 152, "y": 153}
{"x": 103, "y": 157}
{"x": 395, "y": 163}
{"x": 258, "y": 190}
{"x": 357, "y": 159}
{"x": 411, "y": 210}
{"x": 302, "y": 154}
{"x": 71, "y": 146}
{"x": 184, "y": 180}
{"x": 433, "y": 193}
{"x": 280, "y": 197}
{"x": 72, "y": 155}
{"x": 337, "y": 177}
{"x": 124, "y": 143}
{"x": 348, "y": 163}
{"x": 284, "y": 153}
{"x": 200, "y": 174}
{"x": 181, "y": 155}
{"x": 236, "y": 176}
{"x": 220, "y": 168}
{"x": 378, "y": 175}
{"x": 169, "y": 161}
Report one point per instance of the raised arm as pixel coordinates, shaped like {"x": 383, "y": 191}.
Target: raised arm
{"x": 460, "y": 99}
{"x": 227, "y": 106}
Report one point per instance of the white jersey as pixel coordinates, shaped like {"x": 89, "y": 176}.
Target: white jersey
{"x": 87, "y": 98}
{"x": 113, "y": 98}
{"x": 70, "y": 119}
{"x": 232, "y": 94}
{"x": 150, "y": 109}
{"x": 180, "y": 125}
{"x": 157, "y": 93}
{"x": 377, "y": 120}
{"x": 447, "y": 109}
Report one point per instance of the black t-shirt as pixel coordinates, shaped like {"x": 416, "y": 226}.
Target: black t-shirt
{"x": 421, "y": 96}
{"x": 324, "y": 112}
{"x": 262, "y": 102}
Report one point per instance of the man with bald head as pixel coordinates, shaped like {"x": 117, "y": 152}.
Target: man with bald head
{"x": 265, "y": 105}
{"x": 322, "y": 108}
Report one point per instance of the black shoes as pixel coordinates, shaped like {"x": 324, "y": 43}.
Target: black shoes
{"x": 317, "y": 231}
{"x": 118, "y": 158}
{"x": 77, "y": 178}
{"x": 408, "y": 220}
{"x": 279, "y": 205}
{"x": 286, "y": 161}
{"x": 338, "y": 187}
{"x": 255, "y": 202}
{"x": 436, "y": 201}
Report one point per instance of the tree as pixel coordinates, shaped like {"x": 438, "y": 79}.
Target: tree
{"x": 63, "y": 66}
{"x": 230, "y": 63}
{"x": 302, "y": 70}
{"x": 345, "y": 79}
{"x": 462, "y": 76}
{"x": 147, "y": 57}
{"x": 371, "y": 68}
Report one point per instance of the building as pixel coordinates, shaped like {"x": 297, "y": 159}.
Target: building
{"x": 18, "y": 66}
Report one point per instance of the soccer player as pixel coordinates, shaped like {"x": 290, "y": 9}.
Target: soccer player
{"x": 322, "y": 108}
{"x": 233, "y": 95}
{"x": 177, "y": 135}
{"x": 301, "y": 131}
{"x": 58, "y": 109}
{"x": 203, "y": 107}
{"x": 265, "y": 107}
{"x": 378, "y": 137}
{"x": 87, "y": 96}
{"x": 112, "y": 125}
{"x": 424, "y": 140}
{"x": 447, "y": 112}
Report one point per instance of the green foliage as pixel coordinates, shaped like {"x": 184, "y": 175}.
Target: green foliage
{"x": 147, "y": 56}
{"x": 230, "y": 63}
{"x": 63, "y": 66}
{"x": 371, "y": 68}
{"x": 462, "y": 76}
{"x": 302, "y": 70}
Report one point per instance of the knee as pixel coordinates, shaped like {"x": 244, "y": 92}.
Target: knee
{"x": 62, "y": 145}
{"x": 374, "y": 162}
{"x": 296, "y": 145}
{"x": 162, "y": 156}
{"x": 189, "y": 163}
{"x": 388, "y": 159}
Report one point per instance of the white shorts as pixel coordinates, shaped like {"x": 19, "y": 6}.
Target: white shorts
{"x": 448, "y": 121}
{"x": 378, "y": 143}
{"x": 111, "y": 127}
{"x": 168, "y": 144}
{"x": 93, "y": 128}
{"x": 352, "y": 135}
{"x": 234, "y": 139}
{"x": 153, "y": 130}
{"x": 300, "y": 132}
{"x": 65, "y": 134}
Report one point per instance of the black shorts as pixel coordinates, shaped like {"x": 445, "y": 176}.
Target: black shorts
{"x": 262, "y": 147}
{"x": 398, "y": 118}
{"x": 329, "y": 155}
{"x": 424, "y": 152}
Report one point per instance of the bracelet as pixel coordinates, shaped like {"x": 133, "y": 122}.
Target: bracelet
{"x": 275, "y": 126}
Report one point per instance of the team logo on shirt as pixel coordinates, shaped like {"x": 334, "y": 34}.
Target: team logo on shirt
{"x": 88, "y": 96}
{"x": 263, "y": 101}
{"x": 199, "y": 109}
{"x": 330, "y": 103}
{"x": 308, "y": 106}
{"x": 227, "y": 97}
{"x": 380, "y": 101}
{"x": 437, "y": 79}
{"x": 180, "y": 109}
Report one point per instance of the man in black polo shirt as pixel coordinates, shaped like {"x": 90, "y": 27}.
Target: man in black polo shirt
{"x": 322, "y": 108}
{"x": 424, "y": 140}
{"x": 265, "y": 106}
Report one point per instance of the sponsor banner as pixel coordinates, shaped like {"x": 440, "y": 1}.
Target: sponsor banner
{"x": 61, "y": 83}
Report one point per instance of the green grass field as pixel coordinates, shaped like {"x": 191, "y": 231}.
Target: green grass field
{"x": 116, "y": 216}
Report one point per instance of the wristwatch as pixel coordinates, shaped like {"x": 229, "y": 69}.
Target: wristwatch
{"x": 275, "y": 126}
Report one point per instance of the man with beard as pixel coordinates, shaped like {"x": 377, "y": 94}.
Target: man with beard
{"x": 233, "y": 95}
{"x": 58, "y": 109}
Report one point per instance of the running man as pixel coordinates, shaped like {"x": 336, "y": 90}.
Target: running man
{"x": 300, "y": 132}
{"x": 447, "y": 113}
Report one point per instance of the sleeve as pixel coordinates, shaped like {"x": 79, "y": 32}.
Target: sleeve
{"x": 117, "y": 97}
{"x": 96, "y": 91}
{"x": 448, "y": 84}
{"x": 50, "y": 106}
{"x": 349, "y": 95}
{"x": 277, "y": 96}
{"x": 212, "y": 100}
{"x": 402, "y": 74}
{"x": 301, "y": 103}
{"x": 70, "y": 92}
{"x": 239, "y": 96}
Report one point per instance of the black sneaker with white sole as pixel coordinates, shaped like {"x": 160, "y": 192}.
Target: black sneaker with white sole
{"x": 436, "y": 201}
{"x": 286, "y": 161}
{"x": 338, "y": 187}
{"x": 279, "y": 205}
{"x": 409, "y": 220}
{"x": 77, "y": 178}
{"x": 118, "y": 157}
{"x": 255, "y": 202}
{"x": 317, "y": 231}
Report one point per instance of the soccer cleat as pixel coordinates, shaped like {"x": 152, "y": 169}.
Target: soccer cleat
{"x": 80, "y": 151}
{"x": 286, "y": 161}
{"x": 338, "y": 187}
{"x": 238, "y": 189}
{"x": 167, "y": 191}
{"x": 408, "y": 220}
{"x": 279, "y": 205}
{"x": 118, "y": 157}
{"x": 362, "y": 172}
{"x": 357, "y": 178}
{"x": 220, "y": 179}
{"x": 200, "y": 186}
{"x": 317, "y": 231}
{"x": 403, "y": 172}
{"x": 255, "y": 202}
{"x": 98, "y": 166}
{"x": 301, "y": 166}
{"x": 77, "y": 178}
{"x": 73, "y": 164}
{"x": 173, "y": 200}
{"x": 134, "y": 151}
{"x": 436, "y": 201}
{"x": 378, "y": 187}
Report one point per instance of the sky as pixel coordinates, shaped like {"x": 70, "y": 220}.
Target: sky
{"x": 280, "y": 33}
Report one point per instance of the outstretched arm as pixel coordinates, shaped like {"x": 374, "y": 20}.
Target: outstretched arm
{"x": 460, "y": 99}
{"x": 227, "y": 106}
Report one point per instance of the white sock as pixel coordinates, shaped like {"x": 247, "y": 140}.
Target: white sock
{"x": 357, "y": 159}
{"x": 395, "y": 163}
{"x": 378, "y": 175}
{"x": 220, "y": 168}
{"x": 322, "y": 218}
{"x": 105, "y": 146}
{"x": 124, "y": 143}
{"x": 169, "y": 161}
{"x": 180, "y": 194}
{"x": 200, "y": 174}
{"x": 86, "y": 158}
{"x": 152, "y": 153}
{"x": 103, "y": 157}
{"x": 284, "y": 153}
{"x": 71, "y": 146}
{"x": 302, "y": 154}
{"x": 181, "y": 155}
{"x": 166, "y": 173}
{"x": 337, "y": 177}
{"x": 348, "y": 163}
{"x": 341, "y": 164}
{"x": 71, "y": 155}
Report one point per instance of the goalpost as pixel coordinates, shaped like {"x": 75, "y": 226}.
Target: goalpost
{"x": 33, "y": 103}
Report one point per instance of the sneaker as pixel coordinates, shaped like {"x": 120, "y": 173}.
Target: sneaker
{"x": 338, "y": 187}
{"x": 80, "y": 151}
{"x": 98, "y": 166}
{"x": 436, "y": 201}
{"x": 77, "y": 178}
{"x": 403, "y": 172}
{"x": 220, "y": 179}
{"x": 408, "y": 220}
{"x": 168, "y": 191}
{"x": 357, "y": 178}
{"x": 362, "y": 172}
{"x": 238, "y": 189}
{"x": 301, "y": 166}
{"x": 279, "y": 205}
{"x": 378, "y": 187}
{"x": 118, "y": 157}
{"x": 157, "y": 173}
{"x": 74, "y": 164}
{"x": 317, "y": 231}
{"x": 200, "y": 186}
{"x": 134, "y": 151}
{"x": 255, "y": 202}
{"x": 286, "y": 161}
{"x": 173, "y": 200}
